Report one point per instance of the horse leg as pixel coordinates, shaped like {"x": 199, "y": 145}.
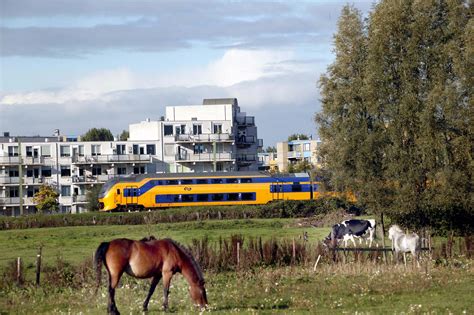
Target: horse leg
{"x": 166, "y": 288}
{"x": 154, "y": 282}
{"x": 405, "y": 258}
{"x": 113, "y": 282}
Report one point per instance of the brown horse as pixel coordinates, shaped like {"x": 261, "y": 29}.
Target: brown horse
{"x": 149, "y": 258}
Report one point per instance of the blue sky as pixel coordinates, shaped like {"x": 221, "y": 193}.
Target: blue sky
{"x": 75, "y": 65}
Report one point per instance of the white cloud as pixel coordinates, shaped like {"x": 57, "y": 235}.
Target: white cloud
{"x": 234, "y": 67}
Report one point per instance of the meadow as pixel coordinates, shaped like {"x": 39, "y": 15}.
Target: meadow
{"x": 441, "y": 285}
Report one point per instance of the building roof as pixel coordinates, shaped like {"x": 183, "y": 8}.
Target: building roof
{"x": 220, "y": 101}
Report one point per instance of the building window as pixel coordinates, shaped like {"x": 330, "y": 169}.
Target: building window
{"x": 29, "y": 151}
{"x": 180, "y": 130}
{"x": 217, "y": 128}
{"x": 65, "y": 190}
{"x": 46, "y": 172}
{"x": 121, "y": 170}
{"x": 198, "y": 148}
{"x": 13, "y": 173}
{"x": 168, "y": 130}
{"x": 65, "y": 171}
{"x": 197, "y": 129}
{"x": 65, "y": 150}
{"x": 81, "y": 150}
{"x": 95, "y": 149}
{"x": 139, "y": 170}
{"x": 120, "y": 149}
{"x": 12, "y": 151}
{"x": 150, "y": 149}
{"x": 96, "y": 170}
{"x": 306, "y": 147}
{"x": 46, "y": 150}
{"x": 14, "y": 192}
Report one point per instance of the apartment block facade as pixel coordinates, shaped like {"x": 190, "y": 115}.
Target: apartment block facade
{"x": 214, "y": 136}
{"x": 292, "y": 152}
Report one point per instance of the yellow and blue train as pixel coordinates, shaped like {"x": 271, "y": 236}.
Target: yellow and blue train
{"x": 203, "y": 189}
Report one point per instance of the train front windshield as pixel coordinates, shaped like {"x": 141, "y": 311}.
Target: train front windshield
{"x": 107, "y": 186}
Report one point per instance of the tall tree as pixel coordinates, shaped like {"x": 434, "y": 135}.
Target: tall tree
{"x": 46, "y": 199}
{"x": 407, "y": 146}
{"x": 298, "y": 136}
{"x": 92, "y": 198}
{"x": 95, "y": 134}
{"x": 124, "y": 135}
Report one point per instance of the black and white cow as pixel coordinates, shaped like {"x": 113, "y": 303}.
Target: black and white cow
{"x": 352, "y": 229}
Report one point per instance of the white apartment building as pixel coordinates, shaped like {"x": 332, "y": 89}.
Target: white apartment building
{"x": 214, "y": 136}
{"x": 292, "y": 152}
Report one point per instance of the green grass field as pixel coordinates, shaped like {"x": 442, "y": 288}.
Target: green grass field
{"x": 438, "y": 287}
{"x": 75, "y": 243}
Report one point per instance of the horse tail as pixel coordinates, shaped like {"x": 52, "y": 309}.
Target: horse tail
{"x": 99, "y": 259}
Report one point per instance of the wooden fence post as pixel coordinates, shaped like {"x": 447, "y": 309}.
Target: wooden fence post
{"x": 238, "y": 254}
{"x": 38, "y": 266}
{"x": 383, "y": 237}
{"x": 294, "y": 251}
{"x": 18, "y": 270}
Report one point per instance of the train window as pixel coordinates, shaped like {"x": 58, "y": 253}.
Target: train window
{"x": 245, "y": 180}
{"x": 218, "y": 197}
{"x": 187, "y": 198}
{"x": 217, "y": 180}
{"x": 201, "y": 181}
{"x": 177, "y": 198}
{"x": 248, "y": 196}
{"x": 171, "y": 182}
{"x": 186, "y": 181}
{"x": 232, "y": 180}
{"x": 233, "y": 197}
{"x": 202, "y": 197}
{"x": 296, "y": 187}
{"x": 118, "y": 191}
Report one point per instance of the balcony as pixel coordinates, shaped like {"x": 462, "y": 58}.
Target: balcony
{"x": 206, "y": 137}
{"x": 29, "y": 160}
{"x": 91, "y": 179}
{"x": 79, "y": 199}
{"x": 245, "y": 121}
{"x": 204, "y": 157}
{"x": 295, "y": 155}
{"x": 6, "y": 180}
{"x": 9, "y": 160}
{"x": 111, "y": 158}
{"x": 9, "y": 201}
{"x": 245, "y": 141}
{"x": 246, "y": 158}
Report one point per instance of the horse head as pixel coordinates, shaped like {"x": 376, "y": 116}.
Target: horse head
{"x": 198, "y": 295}
{"x": 393, "y": 231}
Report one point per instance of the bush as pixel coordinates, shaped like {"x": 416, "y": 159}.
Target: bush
{"x": 277, "y": 209}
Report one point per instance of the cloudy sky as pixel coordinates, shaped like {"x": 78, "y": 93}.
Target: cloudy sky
{"x": 75, "y": 65}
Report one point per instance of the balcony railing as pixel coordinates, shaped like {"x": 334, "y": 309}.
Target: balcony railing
{"x": 92, "y": 178}
{"x": 79, "y": 199}
{"x": 9, "y": 200}
{"x": 9, "y": 160}
{"x": 245, "y": 140}
{"x": 26, "y": 180}
{"x": 29, "y": 160}
{"x": 205, "y": 137}
{"x": 294, "y": 154}
{"x": 245, "y": 121}
{"x": 111, "y": 158}
{"x": 246, "y": 158}
{"x": 204, "y": 157}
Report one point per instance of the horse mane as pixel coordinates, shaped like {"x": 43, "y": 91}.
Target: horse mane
{"x": 188, "y": 254}
{"x": 148, "y": 238}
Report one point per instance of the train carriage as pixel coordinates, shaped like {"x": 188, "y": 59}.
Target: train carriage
{"x": 203, "y": 189}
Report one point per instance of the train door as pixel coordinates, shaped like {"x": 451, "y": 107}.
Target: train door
{"x": 277, "y": 191}
{"x": 131, "y": 195}
{"x": 118, "y": 197}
